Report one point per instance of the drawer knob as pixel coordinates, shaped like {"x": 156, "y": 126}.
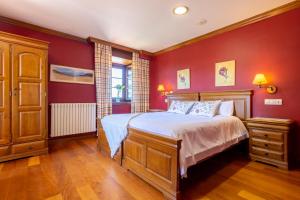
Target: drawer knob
{"x": 266, "y": 145}
{"x": 266, "y": 154}
{"x": 30, "y": 148}
{"x": 266, "y": 135}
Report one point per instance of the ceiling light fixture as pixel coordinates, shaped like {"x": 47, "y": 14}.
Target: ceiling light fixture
{"x": 180, "y": 10}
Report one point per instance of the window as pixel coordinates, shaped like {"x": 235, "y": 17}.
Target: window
{"x": 121, "y": 75}
{"x": 129, "y": 84}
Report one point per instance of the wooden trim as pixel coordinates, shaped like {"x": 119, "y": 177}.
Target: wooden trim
{"x": 227, "y": 92}
{"x": 114, "y": 45}
{"x": 193, "y": 96}
{"x": 276, "y": 11}
{"x": 143, "y": 52}
{"x": 241, "y": 99}
{"x": 118, "y": 46}
{"x": 72, "y": 137}
{"x": 257, "y": 18}
{"x": 270, "y": 121}
{"x": 155, "y": 159}
{"x": 17, "y": 39}
{"x": 41, "y": 29}
{"x": 68, "y": 36}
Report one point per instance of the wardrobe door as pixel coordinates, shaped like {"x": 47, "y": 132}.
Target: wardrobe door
{"x": 5, "y": 135}
{"x": 28, "y": 93}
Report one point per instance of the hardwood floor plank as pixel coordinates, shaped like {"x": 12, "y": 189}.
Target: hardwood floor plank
{"x": 249, "y": 196}
{"x": 33, "y": 161}
{"x": 86, "y": 193}
{"x": 75, "y": 170}
{"x": 56, "y": 197}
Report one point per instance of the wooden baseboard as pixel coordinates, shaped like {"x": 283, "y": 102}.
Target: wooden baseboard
{"x": 72, "y": 137}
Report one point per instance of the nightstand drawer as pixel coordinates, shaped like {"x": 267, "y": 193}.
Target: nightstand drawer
{"x": 267, "y": 135}
{"x": 268, "y": 154}
{"x": 277, "y": 146}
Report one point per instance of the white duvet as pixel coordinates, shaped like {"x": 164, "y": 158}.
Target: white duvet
{"x": 201, "y": 137}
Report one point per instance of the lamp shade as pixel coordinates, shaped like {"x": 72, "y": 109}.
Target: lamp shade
{"x": 161, "y": 88}
{"x": 260, "y": 79}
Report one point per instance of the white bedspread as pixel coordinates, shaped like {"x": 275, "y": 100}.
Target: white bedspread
{"x": 201, "y": 137}
{"x": 115, "y": 128}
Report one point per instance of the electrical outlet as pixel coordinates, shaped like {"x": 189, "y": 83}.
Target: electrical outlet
{"x": 277, "y": 102}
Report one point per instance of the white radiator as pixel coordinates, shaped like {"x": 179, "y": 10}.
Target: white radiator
{"x": 72, "y": 118}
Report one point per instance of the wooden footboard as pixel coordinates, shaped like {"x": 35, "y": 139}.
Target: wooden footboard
{"x": 102, "y": 144}
{"x": 155, "y": 159}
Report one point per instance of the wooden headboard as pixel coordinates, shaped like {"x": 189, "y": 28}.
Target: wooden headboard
{"x": 183, "y": 97}
{"x": 241, "y": 98}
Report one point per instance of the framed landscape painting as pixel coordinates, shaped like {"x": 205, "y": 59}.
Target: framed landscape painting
{"x": 65, "y": 74}
{"x": 225, "y": 73}
{"x": 183, "y": 79}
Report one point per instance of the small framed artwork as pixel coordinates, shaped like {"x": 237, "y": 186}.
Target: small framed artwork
{"x": 183, "y": 79}
{"x": 225, "y": 73}
{"x": 65, "y": 74}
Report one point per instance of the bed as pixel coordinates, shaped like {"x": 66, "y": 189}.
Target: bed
{"x": 156, "y": 158}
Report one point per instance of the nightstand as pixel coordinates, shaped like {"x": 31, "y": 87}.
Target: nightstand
{"x": 156, "y": 110}
{"x": 269, "y": 140}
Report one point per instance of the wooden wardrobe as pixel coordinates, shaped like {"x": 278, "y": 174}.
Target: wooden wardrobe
{"x": 23, "y": 96}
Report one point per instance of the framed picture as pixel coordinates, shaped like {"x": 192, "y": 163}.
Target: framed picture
{"x": 65, "y": 74}
{"x": 225, "y": 73}
{"x": 183, "y": 79}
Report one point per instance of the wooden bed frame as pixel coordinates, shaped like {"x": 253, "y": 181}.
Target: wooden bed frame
{"x": 155, "y": 158}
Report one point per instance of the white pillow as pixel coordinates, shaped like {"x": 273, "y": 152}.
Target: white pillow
{"x": 226, "y": 108}
{"x": 205, "y": 108}
{"x": 181, "y": 107}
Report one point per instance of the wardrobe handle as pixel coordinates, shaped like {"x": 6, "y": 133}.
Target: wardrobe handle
{"x": 16, "y": 90}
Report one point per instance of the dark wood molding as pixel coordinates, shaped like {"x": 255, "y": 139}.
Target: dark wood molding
{"x": 41, "y": 29}
{"x": 257, "y": 18}
{"x": 143, "y": 52}
{"x": 114, "y": 45}
{"x": 118, "y": 46}
{"x": 18, "y": 39}
{"x": 75, "y": 136}
{"x": 276, "y": 11}
{"x": 68, "y": 36}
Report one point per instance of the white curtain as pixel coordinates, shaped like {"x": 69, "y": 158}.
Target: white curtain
{"x": 140, "y": 84}
{"x": 103, "y": 65}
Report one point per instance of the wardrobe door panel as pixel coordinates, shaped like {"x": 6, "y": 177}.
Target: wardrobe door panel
{"x": 29, "y": 89}
{"x": 4, "y": 95}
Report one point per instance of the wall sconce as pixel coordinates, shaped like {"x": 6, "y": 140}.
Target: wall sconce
{"x": 260, "y": 80}
{"x": 162, "y": 90}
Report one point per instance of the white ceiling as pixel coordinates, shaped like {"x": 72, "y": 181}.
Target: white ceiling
{"x": 141, "y": 24}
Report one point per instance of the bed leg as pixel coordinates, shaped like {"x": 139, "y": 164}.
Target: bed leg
{"x": 168, "y": 196}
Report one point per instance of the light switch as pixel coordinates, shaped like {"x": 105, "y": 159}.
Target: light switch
{"x": 277, "y": 102}
{"x": 166, "y": 100}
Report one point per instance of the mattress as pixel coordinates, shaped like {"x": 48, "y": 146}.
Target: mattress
{"x": 201, "y": 137}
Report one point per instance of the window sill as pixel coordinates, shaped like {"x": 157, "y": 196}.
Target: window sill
{"x": 120, "y": 103}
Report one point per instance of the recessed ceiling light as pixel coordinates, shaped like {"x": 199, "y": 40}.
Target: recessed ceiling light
{"x": 181, "y": 10}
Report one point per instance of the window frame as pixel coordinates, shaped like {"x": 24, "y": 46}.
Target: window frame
{"x": 126, "y": 89}
{"x": 124, "y": 97}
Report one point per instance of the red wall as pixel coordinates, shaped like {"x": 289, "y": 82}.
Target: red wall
{"x": 71, "y": 53}
{"x": 66, "y": 52}
{"x": 271, "y": 47}
{"x": 119, "y": 108}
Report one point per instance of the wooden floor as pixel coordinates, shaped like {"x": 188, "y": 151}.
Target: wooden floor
{"x": 75, "y": 170}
